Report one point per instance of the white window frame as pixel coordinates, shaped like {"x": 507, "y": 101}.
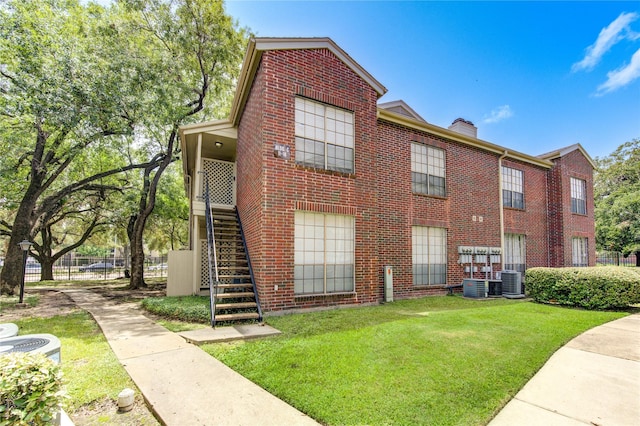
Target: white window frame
{"x": 324, "y": 136}
{"x": 429, "y": 255}
{"x": 428, "y": 170}
{"x": 324, "y": 253}
{"x": 580, "y": 251}
{"x": 578, "y": 196}
{"x": 512, "y": 188}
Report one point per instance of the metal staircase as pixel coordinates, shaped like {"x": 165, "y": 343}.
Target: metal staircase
{"x": 234, "y": 296}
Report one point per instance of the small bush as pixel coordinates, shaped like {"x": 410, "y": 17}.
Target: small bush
{"x": 590, "y": 288}
{"x": 183, "y": 308}
{"x": 30, "y": 389}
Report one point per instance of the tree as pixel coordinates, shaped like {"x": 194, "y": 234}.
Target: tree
{"x": 196, "y": 54}
{"x": 617, "y": 198}
{"x": 60, "y": 96}
{"x": 168, "y": 226}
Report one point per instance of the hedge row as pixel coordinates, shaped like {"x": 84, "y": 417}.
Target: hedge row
{"x": 591, "y": 288}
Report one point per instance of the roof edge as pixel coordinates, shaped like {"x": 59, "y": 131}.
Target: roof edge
{"x": 258, "y": 45}
{"x": 566, "y": 150}
{"x": 459, "y": 137}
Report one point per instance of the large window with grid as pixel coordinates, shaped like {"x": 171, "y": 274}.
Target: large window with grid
{"x": 324, "y": 136}
{"x": 428, "y": 170}
{"x": 580, "y": 251}
{"x": 512, "y": 188}
{"x": 578, "y": 196}
{"x": 515, "y": 256}
{"x": 324, "y": 253}
{"x": 429, "y": 253}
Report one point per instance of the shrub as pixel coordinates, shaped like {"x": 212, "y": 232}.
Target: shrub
{"x": 30, "y": 389}
{"x": 590, "y": 288}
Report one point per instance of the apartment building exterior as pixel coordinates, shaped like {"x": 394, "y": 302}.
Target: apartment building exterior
{"x": 334, "y": 188}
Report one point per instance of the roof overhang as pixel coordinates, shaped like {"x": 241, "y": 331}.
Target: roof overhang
{"x": 566, "y": 150}
{"x": 423, "y": 126}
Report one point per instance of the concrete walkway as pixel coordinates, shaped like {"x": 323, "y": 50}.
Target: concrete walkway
{"x": 593, "y": 380}
{"x": 181, "y": 383}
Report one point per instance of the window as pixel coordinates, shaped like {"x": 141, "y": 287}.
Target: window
{"x": 580, "y": 252}
{"x": 324, "y": 136}
{"x": 324, "y": 253}
{"x": 578, "y": 196}
{"x": 512, "y": 188}
{"x": 428, "y": 171}
{"x": 429, "y": 252}
{"x": 515, "y": 256}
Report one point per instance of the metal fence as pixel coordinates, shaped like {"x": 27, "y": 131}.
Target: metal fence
{"x": 73, "y": 267}
{"x": 614, "y": 258}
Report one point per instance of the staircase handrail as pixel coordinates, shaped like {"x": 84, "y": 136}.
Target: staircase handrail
{"x": 253, "y": 281}
{"x": 211, "y": 252}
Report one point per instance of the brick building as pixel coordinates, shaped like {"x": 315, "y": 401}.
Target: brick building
{"x": 331, "y": 186}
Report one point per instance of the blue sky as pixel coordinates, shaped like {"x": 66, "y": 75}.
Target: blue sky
{"x": 532, "y": 76}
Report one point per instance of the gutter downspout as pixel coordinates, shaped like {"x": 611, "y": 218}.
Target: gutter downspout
{"x": 504, "y": 154}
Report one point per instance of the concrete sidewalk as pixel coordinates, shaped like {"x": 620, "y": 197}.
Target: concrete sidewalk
{"x": 181, "y": 383}
{"x": 593, "y": 380}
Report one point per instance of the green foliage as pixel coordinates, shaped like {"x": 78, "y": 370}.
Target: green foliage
{"x": 183, "y": 308}
{"x": 91, "y": 370}
{"x": 31, "y": 390}
{"x": 617, "y": 199}
{"x": 435, "y": 361}
{"x": 590, "y": 288}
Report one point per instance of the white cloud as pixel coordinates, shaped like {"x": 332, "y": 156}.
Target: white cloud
{"x": 609, "y": 36}
{"x": 622, "y": 76}
{"x": 498, "y": 114}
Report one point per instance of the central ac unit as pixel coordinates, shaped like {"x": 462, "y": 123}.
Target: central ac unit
{"x": 511, "y": 284}
{"x": 474, "y": 288}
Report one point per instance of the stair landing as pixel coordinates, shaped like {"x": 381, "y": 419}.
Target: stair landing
{"x": 227, "y": 334}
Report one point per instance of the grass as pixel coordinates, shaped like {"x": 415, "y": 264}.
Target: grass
{"x": 12, "y": 301}
{"x": 437, "y": 360}
{"x": 91, "y": 370}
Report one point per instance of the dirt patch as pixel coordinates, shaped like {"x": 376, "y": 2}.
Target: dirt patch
{"x": 50, "y": 304}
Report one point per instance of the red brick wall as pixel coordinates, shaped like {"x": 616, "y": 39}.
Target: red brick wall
{"x": 532, "y": 221}
{"x": 250, "y": 177}
{"x": 564, "y": 224}
{"x": 319, "y": 75}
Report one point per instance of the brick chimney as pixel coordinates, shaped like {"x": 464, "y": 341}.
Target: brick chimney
{"x": 465, "y": 127}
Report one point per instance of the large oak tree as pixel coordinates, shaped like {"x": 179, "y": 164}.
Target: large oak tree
{"x": 617, "y": 197}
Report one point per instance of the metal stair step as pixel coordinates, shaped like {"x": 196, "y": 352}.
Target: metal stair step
{"x": 238, "y": 316}
{"x": 222, "y": 277}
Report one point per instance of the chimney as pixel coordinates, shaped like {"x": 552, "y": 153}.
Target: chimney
{"x": 465, "y": 127}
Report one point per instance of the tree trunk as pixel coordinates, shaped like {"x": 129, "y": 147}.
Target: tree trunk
{"x": 137, "y": 222}
{"x": 638, "y": 259}
{"x": 13, "y": 269}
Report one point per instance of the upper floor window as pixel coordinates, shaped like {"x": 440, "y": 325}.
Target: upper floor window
{"x": 512, "y": 188}
{"x": 578, "y": 196}
{"x": 324, "y": 136}
{"x": 579, "y": 251}
{"x": 428, "y": 170}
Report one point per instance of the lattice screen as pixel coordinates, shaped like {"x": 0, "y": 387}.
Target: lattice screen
{"x": 221, "y": 181}
{"x": 226, "y": 250}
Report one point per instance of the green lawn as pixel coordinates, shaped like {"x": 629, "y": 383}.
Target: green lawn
{"x": 436, "y": 360}
{"x": 91, "y": 370}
